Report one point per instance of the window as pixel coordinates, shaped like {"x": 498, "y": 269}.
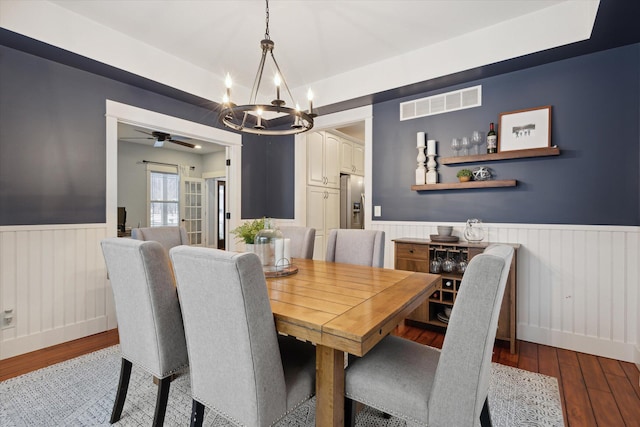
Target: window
{"x": 164, "y": 190}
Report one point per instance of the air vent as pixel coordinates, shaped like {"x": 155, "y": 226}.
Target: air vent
{"x": 443, "y": 103}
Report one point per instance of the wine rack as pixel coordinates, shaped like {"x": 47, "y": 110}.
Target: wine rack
{"x": 418, "y": 254}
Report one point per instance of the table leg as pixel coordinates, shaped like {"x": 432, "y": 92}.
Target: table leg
{"x": 329, "y": 387}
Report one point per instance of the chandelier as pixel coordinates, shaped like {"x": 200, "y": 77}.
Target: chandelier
{"x": 249, "y": 118}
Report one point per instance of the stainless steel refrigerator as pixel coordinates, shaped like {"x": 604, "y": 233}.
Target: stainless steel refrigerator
{"x": 351, "y": 201}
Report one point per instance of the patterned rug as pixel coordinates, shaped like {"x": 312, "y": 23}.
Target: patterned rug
{"x": 80, "y": 392}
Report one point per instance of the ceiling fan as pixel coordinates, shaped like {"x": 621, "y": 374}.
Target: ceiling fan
{"x": 162, "y": 137}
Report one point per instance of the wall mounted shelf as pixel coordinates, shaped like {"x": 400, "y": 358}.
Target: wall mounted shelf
{"x": 517, "y": 154}
{"x": 469, "y": 184}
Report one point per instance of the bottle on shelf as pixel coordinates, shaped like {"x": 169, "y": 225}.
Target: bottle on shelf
{"x": 492, "y": 140}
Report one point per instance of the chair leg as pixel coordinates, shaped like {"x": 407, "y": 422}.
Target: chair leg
{"x": 197, "y": 413}
{"x": 161, "y": 401}
{"x": 349, "y": 412}
{"x": 121, "y": 394}
{"x": 485, "y": 415}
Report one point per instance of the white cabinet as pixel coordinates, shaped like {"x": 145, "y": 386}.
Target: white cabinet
{"x": 358, "y": 158}
{"x": 323, "y": 160}
{"x": 323, "y": 214}
{"x": 351, "y": 157}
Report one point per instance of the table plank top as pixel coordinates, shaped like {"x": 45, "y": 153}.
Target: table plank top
{"x": 343, "y": 306}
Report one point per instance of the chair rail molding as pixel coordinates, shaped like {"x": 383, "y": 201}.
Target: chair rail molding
{"x": 578, "y": 285}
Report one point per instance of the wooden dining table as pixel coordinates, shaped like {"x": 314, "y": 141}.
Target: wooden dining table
{"x": 342, "y": 308}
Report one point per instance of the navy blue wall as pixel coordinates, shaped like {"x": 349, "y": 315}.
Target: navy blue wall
{"x": 595, "y": 123}
{"x": 268, "y": 164}
{"x": 52, "y": 142}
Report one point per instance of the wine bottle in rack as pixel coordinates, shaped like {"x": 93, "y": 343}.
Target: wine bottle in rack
{"x": 492, "y": 140}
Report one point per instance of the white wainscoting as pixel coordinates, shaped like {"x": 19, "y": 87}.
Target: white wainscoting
{"x": 54, "y": 278}
{"x": 578, "y": 286}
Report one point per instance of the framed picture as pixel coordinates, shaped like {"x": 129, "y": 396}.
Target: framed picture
{"x": 525, "y": 129}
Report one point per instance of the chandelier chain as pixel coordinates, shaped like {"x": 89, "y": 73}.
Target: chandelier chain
{"x": 248, "y": 118}
{"x": 266, "y": 31}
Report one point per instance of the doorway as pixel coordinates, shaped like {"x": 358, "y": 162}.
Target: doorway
{"x": 221, "y": 194}
{"x": 122, "y": 113}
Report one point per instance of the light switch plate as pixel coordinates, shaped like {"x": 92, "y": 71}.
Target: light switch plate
{"x": 377, "y": 211}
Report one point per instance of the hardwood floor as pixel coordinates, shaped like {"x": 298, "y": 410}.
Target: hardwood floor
{"x": 595, "y": 391}
{"x": 28, "y": 362}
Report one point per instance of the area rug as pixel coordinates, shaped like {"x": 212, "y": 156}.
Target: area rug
{"x": 80, "y": 392}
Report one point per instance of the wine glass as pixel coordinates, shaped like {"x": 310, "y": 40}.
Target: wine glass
{"x": 477, "y": 138}
{"x": 465, "y": 144}
{"x": 455, "y": 145}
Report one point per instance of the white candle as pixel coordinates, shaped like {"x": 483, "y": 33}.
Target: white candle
{"x": 279, "y": 252}
{"x": 287, "y": 251}
{"x": 431, "y": 147}
{"x": 420, "y": 140}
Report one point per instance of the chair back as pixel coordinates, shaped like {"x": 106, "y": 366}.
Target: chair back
{"x": 360, "y": 247}
{"x": 236, "y": 367}
{"x": 302, "y": 240}
{"x": 167, "y": 236}
{"x": 146, "y": 303}
{"x": 464, "y": 367}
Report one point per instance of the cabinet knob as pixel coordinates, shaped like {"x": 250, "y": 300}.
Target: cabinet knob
{"x": 410, "y": 251}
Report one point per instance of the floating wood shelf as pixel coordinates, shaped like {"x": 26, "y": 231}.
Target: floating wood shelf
{"x": 469, "y": 184}
{"x": 517, "y": 154}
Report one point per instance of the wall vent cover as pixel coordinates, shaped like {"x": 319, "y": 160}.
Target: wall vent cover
{"x": 442, "y": 103}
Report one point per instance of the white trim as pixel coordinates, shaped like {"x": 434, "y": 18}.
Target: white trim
{"x": 118, "y": 112}
{"x": 572, "y": 227}
{"x": 327, "y": 122}
{"x": 214, "y": 174}
{"x": 576, "y": 342}
{"x": 43, "y": 227}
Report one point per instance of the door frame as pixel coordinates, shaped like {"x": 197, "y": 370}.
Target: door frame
{"x": 328, "y": 122}
{"x": 118, "y": 112}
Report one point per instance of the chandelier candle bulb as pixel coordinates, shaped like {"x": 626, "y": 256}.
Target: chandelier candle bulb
{"x": 310, "y": 98}
{"x": 277, "y": 81}
{"x": 227, "y": 83}
{"x": 259, "y": 113}
{"x": 420, "y": 140}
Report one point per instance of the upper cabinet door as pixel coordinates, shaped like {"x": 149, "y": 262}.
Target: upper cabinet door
{"x": 332, "y": 161}
{"x": 323, "y": 160}
{"x": 358, "y": 159}
{"x": 346, "y": 156}
{"x": 315, "y": 159}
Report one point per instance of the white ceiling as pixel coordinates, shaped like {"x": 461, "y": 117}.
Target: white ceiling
{"x": 314, "y": 39}
{"x": 327, "y": 45}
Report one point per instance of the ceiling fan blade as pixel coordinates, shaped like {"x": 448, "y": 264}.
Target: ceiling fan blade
{"x": 183, "y": 143}
{"x": 141, "y": 131}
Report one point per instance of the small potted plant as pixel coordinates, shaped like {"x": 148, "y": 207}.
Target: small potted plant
{"x": 464, "y": 175}
{"x": 247, "y": 231}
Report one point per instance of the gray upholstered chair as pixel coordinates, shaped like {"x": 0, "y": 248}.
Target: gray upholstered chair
{"x": 302, "y": 240}
{"x": 428, "y": 387}
{"x": 149, "y": 317}
{"x": 240, "y": 367}
{"x": 167, "y": 236}
{"x": 360, "y": 247}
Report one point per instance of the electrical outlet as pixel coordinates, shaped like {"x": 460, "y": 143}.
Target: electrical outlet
{"x": 377, "y": 211}
{"x": 8, "y": 319}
